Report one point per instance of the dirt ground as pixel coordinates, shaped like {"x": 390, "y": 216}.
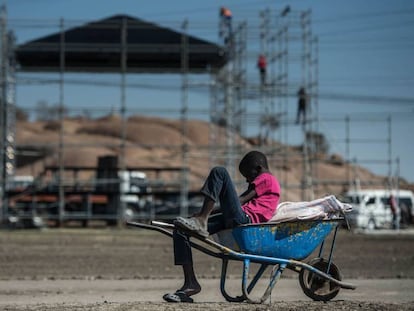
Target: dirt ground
{"x": 30, "y": 260}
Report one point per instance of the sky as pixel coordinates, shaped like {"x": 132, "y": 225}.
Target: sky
{"x": 366, "y": 69}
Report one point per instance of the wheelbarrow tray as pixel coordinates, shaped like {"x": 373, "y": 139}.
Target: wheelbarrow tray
{"x": 287, "y": 240}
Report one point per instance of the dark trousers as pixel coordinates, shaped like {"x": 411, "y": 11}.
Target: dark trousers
{"x": 301, "y": 112}
{"x": 220, "y": 188}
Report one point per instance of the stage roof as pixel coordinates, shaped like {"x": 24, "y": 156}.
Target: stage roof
{"x": 97, "y": 47}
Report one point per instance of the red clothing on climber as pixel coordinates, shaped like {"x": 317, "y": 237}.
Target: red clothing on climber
{"x": 262, "y": 64}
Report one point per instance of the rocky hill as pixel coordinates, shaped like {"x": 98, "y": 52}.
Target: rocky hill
{"x": 157, "y": 142}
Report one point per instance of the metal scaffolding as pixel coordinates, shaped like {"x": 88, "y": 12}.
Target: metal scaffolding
{"x": 286, "y": 41}
{"x": 239, "y": 105}
{"x": 8, "y": 107}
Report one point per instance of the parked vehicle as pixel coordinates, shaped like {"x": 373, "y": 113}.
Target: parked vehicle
{"x": 24, "y": 217}
{"x": 31, "y": 205}
{"x": 132, "y": 186}
{"x": 372, "y": 208}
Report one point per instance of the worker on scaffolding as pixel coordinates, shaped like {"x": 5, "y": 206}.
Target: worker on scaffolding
{"x": 302, "y": 105}
{"x": 261, "y": 65}
{"x": 225, "y": 23}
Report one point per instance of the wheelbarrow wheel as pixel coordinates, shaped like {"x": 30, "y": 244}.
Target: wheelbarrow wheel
{"x": 316, "y": 287}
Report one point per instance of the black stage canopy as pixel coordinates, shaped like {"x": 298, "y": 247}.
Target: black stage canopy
{"x": 104, "y": 45}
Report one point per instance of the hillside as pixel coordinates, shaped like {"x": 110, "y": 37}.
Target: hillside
{"x": 156, "y": 142}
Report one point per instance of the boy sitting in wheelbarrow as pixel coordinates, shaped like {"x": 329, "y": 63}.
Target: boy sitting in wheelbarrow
{"x": 257, "y": 204}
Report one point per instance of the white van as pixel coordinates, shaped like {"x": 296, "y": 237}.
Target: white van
{"x": 372, "y": 209}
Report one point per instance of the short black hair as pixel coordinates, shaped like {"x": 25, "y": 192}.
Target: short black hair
{"x": 252, "y": 159}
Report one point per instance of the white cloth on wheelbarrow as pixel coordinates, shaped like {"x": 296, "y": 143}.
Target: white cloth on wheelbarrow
{"x": 328, "y": 207}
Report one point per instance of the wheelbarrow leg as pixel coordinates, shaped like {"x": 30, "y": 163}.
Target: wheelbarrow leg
{"x": 250, "y": 287}
{"x": 223, "y": 284}
{"x": 273, "y": 280}
{"x": 256, "y": 277}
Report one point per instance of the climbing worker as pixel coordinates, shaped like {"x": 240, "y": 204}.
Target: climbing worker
{"x": 302, "y": 105}
{"x": 226, "y": 17}
{"x": 261, "y": 64}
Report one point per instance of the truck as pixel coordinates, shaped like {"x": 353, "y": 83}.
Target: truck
{"x": 33, "y": 203}
{"x": 134, "y": 188}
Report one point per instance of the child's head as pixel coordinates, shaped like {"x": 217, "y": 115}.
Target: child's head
{"x": 252, "y": 164}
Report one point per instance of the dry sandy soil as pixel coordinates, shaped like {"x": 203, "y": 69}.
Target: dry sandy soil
{"x": 66, "y": 269}
{"x": 157, "y": 142}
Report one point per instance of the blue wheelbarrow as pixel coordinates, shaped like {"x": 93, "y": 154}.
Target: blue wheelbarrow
{"x": 277, "y": 245}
